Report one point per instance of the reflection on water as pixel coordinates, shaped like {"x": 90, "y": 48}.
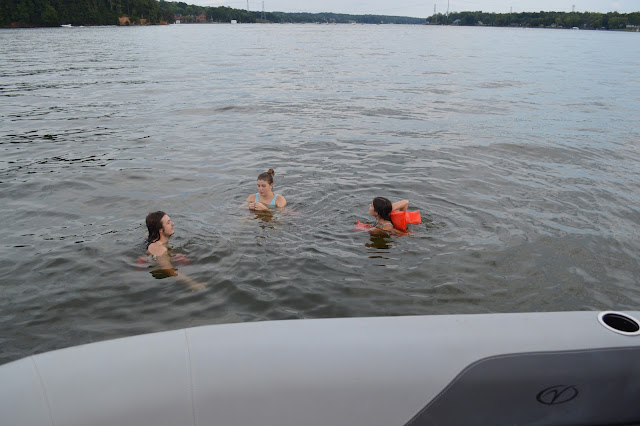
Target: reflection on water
{"x": 522, "y": 161}
{"x": 380, "y": 242}
{"x": 160, "y": 274}
{"x": 264, "y": 216}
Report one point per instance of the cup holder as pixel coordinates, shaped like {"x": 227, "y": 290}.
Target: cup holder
{"x": 620, "y": 323}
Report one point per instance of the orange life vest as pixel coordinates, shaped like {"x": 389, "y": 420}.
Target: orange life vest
{"x": 401, "y": 219}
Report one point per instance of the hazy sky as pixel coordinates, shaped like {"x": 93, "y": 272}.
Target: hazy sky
{"x": 422, "y": 9}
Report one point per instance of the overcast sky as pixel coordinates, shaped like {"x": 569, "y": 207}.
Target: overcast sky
{"x": 422, "y": 9}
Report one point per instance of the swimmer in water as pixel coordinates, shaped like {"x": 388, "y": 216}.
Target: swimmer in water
{"x": 265, "y": 198}
{"x": 380, "y": 208}
{"x": 160, "y": 229}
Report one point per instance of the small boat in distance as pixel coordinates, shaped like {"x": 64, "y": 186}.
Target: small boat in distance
{"x": 66, "y": 25}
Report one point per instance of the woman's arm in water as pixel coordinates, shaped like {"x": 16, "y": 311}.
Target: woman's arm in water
{"x": 281, "y": 202}
{"x": 255, "y": 205}
{"x": 401, "y": 205}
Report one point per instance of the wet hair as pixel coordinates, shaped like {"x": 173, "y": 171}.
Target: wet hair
{"x": 382, "y": 206}
{"x": 267, "y": 176}
{"x": 154, "y": 225}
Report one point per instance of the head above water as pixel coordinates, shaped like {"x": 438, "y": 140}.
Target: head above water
{"x": 267, "y": 176}
{"x": 382, "y": 207}
{"x": 157, "y": 226}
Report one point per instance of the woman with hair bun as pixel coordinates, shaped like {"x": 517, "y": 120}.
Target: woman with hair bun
{"x": 265, "y": 198}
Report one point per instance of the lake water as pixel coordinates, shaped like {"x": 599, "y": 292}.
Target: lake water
{"x": 520, "y": 147}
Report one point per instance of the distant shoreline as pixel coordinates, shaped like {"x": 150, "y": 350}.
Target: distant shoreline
{"x": 44, "y": 14}
{"x": 319, "y": 23}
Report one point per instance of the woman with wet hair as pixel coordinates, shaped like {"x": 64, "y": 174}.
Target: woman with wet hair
{"x": 380, "y": 208}
{"x": 265, "y": 198}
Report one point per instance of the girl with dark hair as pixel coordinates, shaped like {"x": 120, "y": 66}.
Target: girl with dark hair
{"x": 381, "y": 208}
{"x": 160, "y": 229}
{"x": 265, "y": 198}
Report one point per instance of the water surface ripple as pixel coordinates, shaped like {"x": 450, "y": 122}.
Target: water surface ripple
{"x": 520, "y": 148}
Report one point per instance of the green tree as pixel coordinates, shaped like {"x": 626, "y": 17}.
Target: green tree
{"x": 617, "y": 22}
{"x": 572, "y": 20}
{"x": 49, "y": 17}
{"x": 21, "y": 14}
{"x": 634, "y": 18}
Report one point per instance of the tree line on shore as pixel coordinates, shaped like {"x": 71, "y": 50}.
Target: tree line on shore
{"x": 51, "y": 13}
{"x": 585, "y": 20}
{"x": 192, "y": 13}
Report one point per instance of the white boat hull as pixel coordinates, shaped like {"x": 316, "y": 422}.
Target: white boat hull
{"x": 493, "y": 369}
